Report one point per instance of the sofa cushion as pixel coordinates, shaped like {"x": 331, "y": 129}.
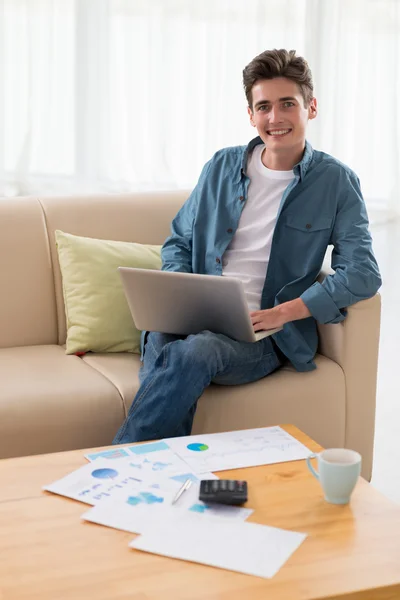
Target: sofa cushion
{"x": 52, "y": 402}
{"x": 121, "y": 369}
{"x": 97, "y": 312}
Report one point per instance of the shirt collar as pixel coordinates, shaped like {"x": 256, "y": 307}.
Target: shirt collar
{"x": 299, "y": 169}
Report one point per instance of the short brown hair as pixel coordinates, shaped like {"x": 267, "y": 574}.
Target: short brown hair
{"x": 279, "y": 63}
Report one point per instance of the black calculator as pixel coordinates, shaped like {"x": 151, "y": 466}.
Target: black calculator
{"x": 223, "y": 491}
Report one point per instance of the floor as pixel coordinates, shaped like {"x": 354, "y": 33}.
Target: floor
{"x": 386, "y": 470}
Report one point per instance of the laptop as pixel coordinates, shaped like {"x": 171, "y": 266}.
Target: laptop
{"x": 186, "y": 303}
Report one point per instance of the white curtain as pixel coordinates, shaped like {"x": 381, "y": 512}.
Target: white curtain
{"x": 120, "y": 95}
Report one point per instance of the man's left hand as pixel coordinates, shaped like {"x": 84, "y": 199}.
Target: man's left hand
{"x": 272, "y": 318}
{"x": 266, "y": 319}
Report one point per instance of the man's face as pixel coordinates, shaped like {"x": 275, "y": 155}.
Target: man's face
{"x": 279, "y": 114}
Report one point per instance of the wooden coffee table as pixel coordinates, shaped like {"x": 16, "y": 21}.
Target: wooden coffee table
{"x": 46, "y": 552}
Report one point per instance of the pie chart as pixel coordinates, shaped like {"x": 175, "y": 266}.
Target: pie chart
{"x": 104, "y": 473}
{"x": 197, "y": 447}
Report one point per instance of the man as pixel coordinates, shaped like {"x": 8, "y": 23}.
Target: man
{"x": 264, "y": 213}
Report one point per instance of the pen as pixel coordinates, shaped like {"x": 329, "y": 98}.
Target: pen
{"x": 185, "y": 486}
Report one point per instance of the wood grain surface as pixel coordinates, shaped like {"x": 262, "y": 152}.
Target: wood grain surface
{"x": 352, "y": 552}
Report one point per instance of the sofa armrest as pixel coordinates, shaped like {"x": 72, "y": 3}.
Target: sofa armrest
{"x": 353, "y": 344}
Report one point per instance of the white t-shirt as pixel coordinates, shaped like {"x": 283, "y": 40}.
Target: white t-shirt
{"x": 247, "y": 255}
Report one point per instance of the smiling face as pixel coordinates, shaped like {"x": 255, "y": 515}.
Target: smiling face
{"x": 279, "y": 113}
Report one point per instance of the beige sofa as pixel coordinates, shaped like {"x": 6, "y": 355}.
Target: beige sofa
{"x": 51, "y": 402}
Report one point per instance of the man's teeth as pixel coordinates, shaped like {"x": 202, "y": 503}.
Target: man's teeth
{"x": 279, "y": 132}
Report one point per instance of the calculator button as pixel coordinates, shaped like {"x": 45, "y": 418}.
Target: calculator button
{"x": 215, "y": 485}
{"x": 231, "y": 486}
{"x": 224, "y": 485}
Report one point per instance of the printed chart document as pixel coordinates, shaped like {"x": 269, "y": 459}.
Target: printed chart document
{"x": 101, "y": 480}
{"x": 137, "y": 510}
{"x": 237, "y": 449}
{"x": 244, "y": 547}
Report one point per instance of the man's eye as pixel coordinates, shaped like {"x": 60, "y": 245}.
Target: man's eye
{"x": 263, "y": 107}
{"x": 288, "y": 104}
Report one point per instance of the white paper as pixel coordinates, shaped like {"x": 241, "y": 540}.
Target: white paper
{"x": 101, "y": 480}
{"x": 244, "y": 547}
{"x": 130, "y": 512}
{"x": 237, "y": 449}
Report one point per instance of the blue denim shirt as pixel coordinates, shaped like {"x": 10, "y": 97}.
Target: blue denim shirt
{"x": 323, "y": 205}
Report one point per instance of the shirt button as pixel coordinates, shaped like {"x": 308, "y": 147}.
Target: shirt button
{"x": 308, "y": 226}
{"x": 241, "y": 198}
{"x": 229, "y": 230}
{"x": 218, "y": 260}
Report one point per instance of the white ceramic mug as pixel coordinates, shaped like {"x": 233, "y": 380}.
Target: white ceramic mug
{"x": 338, "y": 472}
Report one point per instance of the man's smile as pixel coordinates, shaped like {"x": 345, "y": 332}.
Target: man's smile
{"x": 278, "y": 132}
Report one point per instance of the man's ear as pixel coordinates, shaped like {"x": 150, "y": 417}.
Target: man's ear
{"x": 250, "y": 113}
{"x": 312, "y": 109}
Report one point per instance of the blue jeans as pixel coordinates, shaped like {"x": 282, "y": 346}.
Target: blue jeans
{"x": 175, "y": 372}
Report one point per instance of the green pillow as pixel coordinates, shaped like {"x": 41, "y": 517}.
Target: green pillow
{"x": 98, "y": 316}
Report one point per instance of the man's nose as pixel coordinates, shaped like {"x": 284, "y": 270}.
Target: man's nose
{"x": 275, "y": 115}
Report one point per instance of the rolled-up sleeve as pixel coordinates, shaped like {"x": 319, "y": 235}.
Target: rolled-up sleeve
{"x": 356, "y": 275}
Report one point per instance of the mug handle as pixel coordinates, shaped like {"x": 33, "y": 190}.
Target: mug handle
{"x": 310, "y": 467}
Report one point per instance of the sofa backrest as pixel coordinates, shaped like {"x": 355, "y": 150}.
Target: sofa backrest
{"x": 27, "y": 297}
{"x": 138, "y": 217}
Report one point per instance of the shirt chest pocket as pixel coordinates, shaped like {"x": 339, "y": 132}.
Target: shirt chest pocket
{"x": 305, "y": 241}
{"x": 309, "y": 225}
